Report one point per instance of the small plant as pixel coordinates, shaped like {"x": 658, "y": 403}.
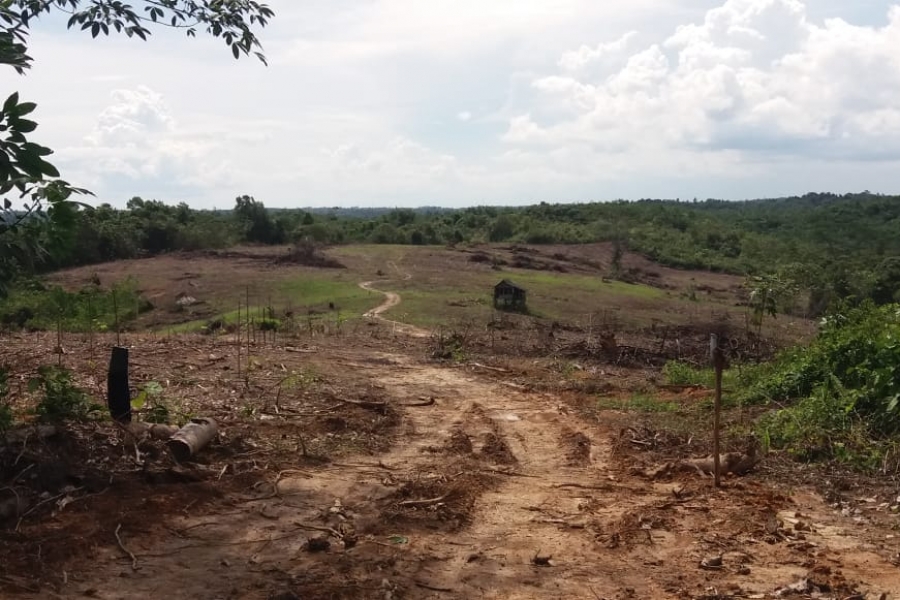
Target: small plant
{"x": 679, "y": 373}
{"x": 268, "y": 324}
{"x": 61, "y": 399}
{"x": 158, "y": 411}
{"x": 453, "y": 346}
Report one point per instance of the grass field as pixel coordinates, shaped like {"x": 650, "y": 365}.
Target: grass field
{"x": 437, "y": 285}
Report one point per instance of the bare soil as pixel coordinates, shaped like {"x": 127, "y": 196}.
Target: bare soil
{"x": 357, "y": 466}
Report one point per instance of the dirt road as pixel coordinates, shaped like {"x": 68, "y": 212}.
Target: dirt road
{"x": 490, "y": 491}
{"x": 391, "y": 299}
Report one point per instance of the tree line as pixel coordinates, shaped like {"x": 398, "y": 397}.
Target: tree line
{"x": 834, "y": 247}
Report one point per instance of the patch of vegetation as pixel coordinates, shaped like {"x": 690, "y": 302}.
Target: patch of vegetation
{"x": 151, "y": 398}
{"x": 60, "y": 399}
{"x": 842, "y": 391}
{"x": 297, "y": 303}
{"x": 31, "y": 305}
{"x": 450, "y": 344}
{"x": 738, "y": 382}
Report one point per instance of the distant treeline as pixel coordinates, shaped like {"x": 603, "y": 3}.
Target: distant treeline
{"x": 835, "y": 246}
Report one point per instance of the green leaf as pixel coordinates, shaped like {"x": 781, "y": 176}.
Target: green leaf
{"x": 139, "y": 401}
{"x": 25, "y": 126}
{"x": 153, "y": 388}
{"x": 25, "y": 108}
{"x": 11, "y": 102}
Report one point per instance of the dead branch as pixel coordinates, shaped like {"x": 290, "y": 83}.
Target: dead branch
{"x": 39, "y": 504}
{"x": 426, "y": 586}
{"x": 602, "y": 486}
{"x": 423, "y": 402}
{"x": 487, "y": 368}
{"x": 367, "y": 404}
{"x": 333, "y": 532}
{"x": 131, "y": 555}
{"x": 423, "y": 502}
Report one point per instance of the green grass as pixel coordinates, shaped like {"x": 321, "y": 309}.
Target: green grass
{"x": 90, "y": 309}
{"x": 433, "y": 307}
{"x": 553, "y": 284}
{"x": 434, "y": 298}
{"x": 302, "y": 294}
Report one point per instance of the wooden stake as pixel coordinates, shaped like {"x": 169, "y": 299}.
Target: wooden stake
{"x": 91, "y": 325}
{"x": 116, "y": 314}
{"x": 247, "y": 310}
{"x": 239, "y": 340}
{"x": 719, "y": 364}
{"x": 59, "y": 348}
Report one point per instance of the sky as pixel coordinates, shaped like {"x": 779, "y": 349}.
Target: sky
{"x": 471, "y": 102}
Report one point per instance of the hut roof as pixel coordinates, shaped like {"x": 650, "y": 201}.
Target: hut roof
{"x": 508, "y": 283}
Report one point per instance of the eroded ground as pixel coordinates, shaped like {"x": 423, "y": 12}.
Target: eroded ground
{"x": 362, "y": 468}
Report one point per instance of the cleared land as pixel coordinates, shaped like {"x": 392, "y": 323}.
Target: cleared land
{"x": 369, "y": 460}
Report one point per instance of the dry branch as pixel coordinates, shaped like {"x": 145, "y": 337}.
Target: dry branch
{"x": 428, "y": 502}
{"x": 130, "y": 554}
{"x": 423, "y": 401}
{"x": 367, "y": 404}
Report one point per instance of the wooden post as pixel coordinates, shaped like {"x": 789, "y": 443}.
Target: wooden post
{"x": 247, "y": 310}
{"x": 116, "y": 314}
{"x": 718, "y": 359}
{"x": 91, "y": 327}
{"x": 239, "y": 340}
{"x": 59, "y": 347}
{"x": 191, "y": 438}
{"x": 118, "y": 394}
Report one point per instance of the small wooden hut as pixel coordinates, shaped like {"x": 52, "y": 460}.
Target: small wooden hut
{"x": 509, "y": 296}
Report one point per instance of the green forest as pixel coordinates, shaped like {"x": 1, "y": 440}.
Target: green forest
{"x": 834, "y": 247}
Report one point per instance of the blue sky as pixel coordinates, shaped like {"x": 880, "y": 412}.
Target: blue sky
{"x": 407, "y": 103}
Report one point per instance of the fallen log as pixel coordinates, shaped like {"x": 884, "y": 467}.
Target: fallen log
{"x": 191, "y": 438}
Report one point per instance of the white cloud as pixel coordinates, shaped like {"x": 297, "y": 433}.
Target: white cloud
{"x": 563, "y": 99}
{"x": 755, "y": 76}
{"x": 585, "y": 55}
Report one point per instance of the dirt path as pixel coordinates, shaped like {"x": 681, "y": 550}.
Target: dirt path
{"x": 480, "y": 485}
{"x": 391, "y": 299}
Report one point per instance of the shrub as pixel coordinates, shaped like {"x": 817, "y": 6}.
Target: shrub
{"x": 61, "y": 399}
{"x": 92, "y": 308}
{"x": 843, "y": 389}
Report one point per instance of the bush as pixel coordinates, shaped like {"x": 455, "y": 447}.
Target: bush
{"x": 60, "y": 399}
{"x": 844, "y": 388}
{"x": 92, "y": 308}
{"x": 679, "y": 373}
